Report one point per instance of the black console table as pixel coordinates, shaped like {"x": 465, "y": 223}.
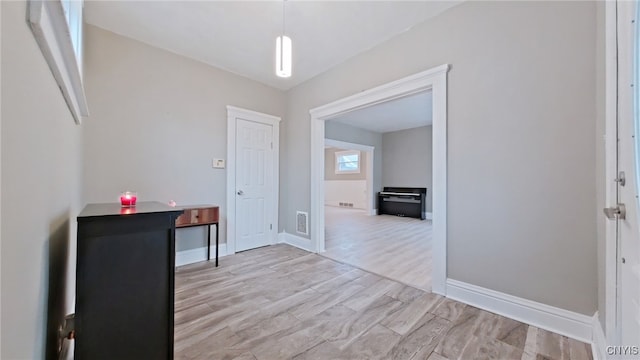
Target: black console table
{"x": 403, "y": 201}
{"x": 125, "y": 281}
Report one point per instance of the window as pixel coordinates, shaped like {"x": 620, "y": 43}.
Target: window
{"x": 73, "y": 17}
{"x": 57, "y": 27}
{"x": 348, "y": 162}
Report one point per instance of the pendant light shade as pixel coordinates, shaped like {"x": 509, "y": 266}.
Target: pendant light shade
{"x": 283, "y": 56}
{"x": 283, "y": 50}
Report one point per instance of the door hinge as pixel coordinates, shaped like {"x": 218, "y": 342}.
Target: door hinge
{"x": 621, "y": 179}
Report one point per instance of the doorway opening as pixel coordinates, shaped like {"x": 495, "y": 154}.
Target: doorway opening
{"x": 433, "y": 80}
{"x": 395, "y": 243}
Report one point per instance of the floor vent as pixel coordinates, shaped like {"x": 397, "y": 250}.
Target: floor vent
{"x": 302, "y": 222}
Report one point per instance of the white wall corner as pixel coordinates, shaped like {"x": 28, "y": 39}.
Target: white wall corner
{"x": 599, "y": 342}
{"x": 191, "y": 256}
{"x": 560, "y": 321}
{"x": 429, "y": 216}
{"x": 373, "y": 212}
{"x": 295, "y": 240}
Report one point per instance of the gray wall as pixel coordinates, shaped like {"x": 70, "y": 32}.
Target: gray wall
{"x": 338, "y": 131}
{"x": 521, "y": 141}
{"x": 406, "y": 159}
{"x": 330, "y": 166}
{"x": 41, "y": 194}
{"x": 157, "y": 120}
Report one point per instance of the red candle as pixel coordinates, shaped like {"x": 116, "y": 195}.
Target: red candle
{"x": 128, "y": 199}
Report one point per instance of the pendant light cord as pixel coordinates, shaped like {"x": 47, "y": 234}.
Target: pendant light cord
{"x": 282, "y": 40}
{"x": 283, "y": 45}
{"x": 283, "y": 17}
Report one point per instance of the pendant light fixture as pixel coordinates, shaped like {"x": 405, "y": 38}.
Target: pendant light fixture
{"x": 283, "y": 52}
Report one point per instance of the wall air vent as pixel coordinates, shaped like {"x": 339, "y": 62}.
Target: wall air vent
{"x": 302, "y": 222}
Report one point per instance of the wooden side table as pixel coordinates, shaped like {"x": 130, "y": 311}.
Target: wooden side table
{"x": 201, "y": 215}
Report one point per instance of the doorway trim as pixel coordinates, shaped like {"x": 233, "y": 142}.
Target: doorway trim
{"x": 611, "y": 194}
{"x": 234, "y": 113}
{"x": 434, "y": 79}
{"x": 371, "y": 210}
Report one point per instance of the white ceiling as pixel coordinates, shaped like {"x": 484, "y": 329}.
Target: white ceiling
{"x": 405, "y": 113}
{"x": 239, "y": 36}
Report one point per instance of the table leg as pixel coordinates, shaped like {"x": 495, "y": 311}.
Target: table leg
{"x": 217, "y": 244}
{"x": 208, "y": 242}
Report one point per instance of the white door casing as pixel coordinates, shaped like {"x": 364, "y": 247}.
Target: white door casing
{"x": 611, "y": 169}
{"x": 628, "y": 231}
{"x": 434, "y": 79}
{"x": 623, "y": 234}
{"x": 252, "y": 179}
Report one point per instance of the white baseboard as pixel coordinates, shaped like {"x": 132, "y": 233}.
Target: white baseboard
{"x": 429, "y": 216}
{"x": 295, "y": 240}
{"x": 599, "y": 343}
{"x": 356, "y": 206}
{"x": 198, "y": 254}
{"x": 560, "y": 321}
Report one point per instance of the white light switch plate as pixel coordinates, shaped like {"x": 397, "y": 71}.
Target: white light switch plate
{"x": 218, "y": 163}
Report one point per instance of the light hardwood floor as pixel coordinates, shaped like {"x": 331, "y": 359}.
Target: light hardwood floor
{"x": 280, "y": 302}
{"x": 398, "y": 248}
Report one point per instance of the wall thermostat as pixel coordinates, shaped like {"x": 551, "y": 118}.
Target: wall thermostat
{"x": 218, "y": 163}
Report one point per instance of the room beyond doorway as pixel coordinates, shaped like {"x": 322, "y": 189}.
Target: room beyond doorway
{"x": 399, "y": 134}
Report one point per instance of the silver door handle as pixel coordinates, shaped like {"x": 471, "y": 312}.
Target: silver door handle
{"x": 240, "y": 192}
{"x": 616, "y": 212}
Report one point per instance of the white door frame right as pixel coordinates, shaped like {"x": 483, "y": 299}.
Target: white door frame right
{"x": 434, "y": 79}
{"x": 611, "y": 150}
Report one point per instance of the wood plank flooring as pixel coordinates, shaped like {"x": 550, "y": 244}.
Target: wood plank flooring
{"x": 280, "y": 302}
{"x": 398, "y": 248}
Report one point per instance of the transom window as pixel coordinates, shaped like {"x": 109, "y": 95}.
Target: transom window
{"x": 57, "y": 27}
{"x": 348, "y": 162}
{"x": 73, "y": 16}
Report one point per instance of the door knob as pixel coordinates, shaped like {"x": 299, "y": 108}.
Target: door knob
{"x": 616, "y": 212}
{"x": 240, "y": 192}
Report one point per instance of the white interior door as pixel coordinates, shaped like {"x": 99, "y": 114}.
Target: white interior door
{"x": 254, "y": 181}
{"x": 628, "y": 239}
